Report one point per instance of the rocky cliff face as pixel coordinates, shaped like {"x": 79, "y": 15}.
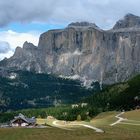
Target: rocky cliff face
{"x": 84, "y": 50}
{"x": 129, "y": 21}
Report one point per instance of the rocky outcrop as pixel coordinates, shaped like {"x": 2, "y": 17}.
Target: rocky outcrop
{"x": 84, "y": 49}
{"x": 83, "y": 25}
{"x": 129, "y": 21}
{"x": 25, "y": 58}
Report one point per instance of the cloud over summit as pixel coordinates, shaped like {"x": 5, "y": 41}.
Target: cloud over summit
{"x": 103, "y": 12}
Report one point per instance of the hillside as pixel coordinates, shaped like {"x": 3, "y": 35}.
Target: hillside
{"x": 20, "y": 90}
{"x": 121, "y": 96}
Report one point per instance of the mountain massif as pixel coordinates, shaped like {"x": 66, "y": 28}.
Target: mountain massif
{"x": 84, "y": 50}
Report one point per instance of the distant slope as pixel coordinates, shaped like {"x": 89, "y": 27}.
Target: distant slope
{"x": 122, "y": 96}
{"x": 20, "y": 90}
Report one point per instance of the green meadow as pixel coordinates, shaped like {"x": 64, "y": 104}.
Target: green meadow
{"x": 117, "y": 132}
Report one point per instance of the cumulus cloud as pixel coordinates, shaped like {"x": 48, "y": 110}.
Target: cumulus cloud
{"x": 103, "y": 12}
{"x": 9, "y": 40}
{"x": 17, "y": 39}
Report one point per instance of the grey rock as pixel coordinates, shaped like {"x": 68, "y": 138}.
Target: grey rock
{"x": 128, "y": 21}
{"x": 83, "y": 25}
{"x": 83, "y": 49}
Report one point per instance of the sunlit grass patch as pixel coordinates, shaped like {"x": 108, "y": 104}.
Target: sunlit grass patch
{"x": 132, "y": 115}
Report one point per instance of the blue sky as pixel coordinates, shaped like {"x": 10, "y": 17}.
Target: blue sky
{"x": 15, "y": 34}
{"x": 25, "y": 27}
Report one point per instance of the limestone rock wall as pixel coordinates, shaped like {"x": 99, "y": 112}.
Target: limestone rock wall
{"x": 107, "y": 56}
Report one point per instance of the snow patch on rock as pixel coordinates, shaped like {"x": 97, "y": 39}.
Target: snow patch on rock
{"x": 73, "y": 77}
{"x": 85, "y": 82}
{"x": 13, "y": 76}
{"x": 76, "y": 52}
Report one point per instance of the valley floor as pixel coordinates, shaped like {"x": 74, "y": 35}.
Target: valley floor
{"x": 127, "y": 128}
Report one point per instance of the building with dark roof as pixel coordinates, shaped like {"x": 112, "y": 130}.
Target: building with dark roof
{"x": 22, "y": 121}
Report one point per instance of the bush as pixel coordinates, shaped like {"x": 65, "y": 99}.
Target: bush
{"x": 79, "y": 118}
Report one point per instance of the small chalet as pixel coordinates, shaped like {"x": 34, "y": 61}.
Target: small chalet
{"x": 22, "y": 121}
{"x": 74, "y": 106}
{"x": 84, "y": 104}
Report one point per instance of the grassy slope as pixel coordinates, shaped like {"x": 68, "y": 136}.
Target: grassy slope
{"x": 41, "y": 121}
{"x": 117, "y": 132}
{"x": 104, "y": 119}
{"x": 132, "y": 115}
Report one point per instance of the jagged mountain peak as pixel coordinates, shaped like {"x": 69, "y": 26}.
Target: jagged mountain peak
{"x": 27, "y": 48}
{"x": 129, "y": 21}
{"x": 130, "y": 15}
{"x": 28, "y": 45}
{"x": 18, "y": 52}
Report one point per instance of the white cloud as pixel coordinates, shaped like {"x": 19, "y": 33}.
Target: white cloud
{"x": 4, "y": 47}
{"x": 17, "y": 39}
{"x": 6, "y": 55}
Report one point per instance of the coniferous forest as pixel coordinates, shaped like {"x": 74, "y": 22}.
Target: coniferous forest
{"x": 121, "y": 96}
